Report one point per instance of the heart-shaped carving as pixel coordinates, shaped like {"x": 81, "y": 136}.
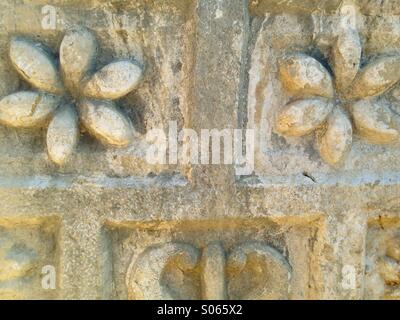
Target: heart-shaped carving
{"x": 252, "y": 270}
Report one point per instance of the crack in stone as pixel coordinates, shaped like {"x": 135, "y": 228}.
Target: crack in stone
{"x": 35, "y": 104}
{"x": 309, "y": 176}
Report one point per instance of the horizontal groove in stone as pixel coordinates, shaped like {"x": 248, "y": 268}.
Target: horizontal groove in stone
{"x": 323, "y": 179}
{"x": 65, "y": 182}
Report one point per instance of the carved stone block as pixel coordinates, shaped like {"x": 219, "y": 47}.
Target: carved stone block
{"x": 83, "y": 83}
{"x": 383, "y": 259}
{"x": 79, "y": 54}
{"x": 322, "y": 89}
{"x": 208, "y": 260}
{"x": 27, "y": 248}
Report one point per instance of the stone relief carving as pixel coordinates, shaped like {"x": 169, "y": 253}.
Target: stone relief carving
{"x": 350, "y": 99}
{"x": 23, "y": 253}
{"x": 389, "y": 267}
{"x": 17, "y": 261}
{"x": 220, "y": 273}
{"x": 62, "y": 100}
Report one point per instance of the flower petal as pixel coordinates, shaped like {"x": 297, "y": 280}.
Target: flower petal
{"x": 35, "y": 65}
{"x": 334, "y": 142}
{"x": 376, "y": 78}
{"x": 62, "y": 134}
{"x": 114, "y": 81}
{"x": 303, "y": 116}
{"x": 106, "y": 123}
{"x": 346, "y": 58}
{"x": 78, "y": 52}
{"x": 303, "y": 76}
{"x": 374, "y": 121}
{"x": 27, "y": 109}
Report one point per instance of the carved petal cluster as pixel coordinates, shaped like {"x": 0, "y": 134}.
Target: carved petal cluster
{"x": 333, "y": 106}
{"x": 92, "y": 94}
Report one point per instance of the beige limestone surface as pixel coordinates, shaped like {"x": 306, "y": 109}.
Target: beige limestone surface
{"x": 84, "y": 214}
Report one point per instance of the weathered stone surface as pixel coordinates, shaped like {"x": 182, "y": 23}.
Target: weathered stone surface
{"x": 25, "y": 249}
{"x": 213, "y": 276}
{"x": 377, "y": 78}
{"x": 382, "y": 263}
{"x": 304, "y": 76}
{"x": 390, "y": 271}
{"x": 393, "y": 249}
{"x": 302, "y": 117}
{"x": 78, "y": 51}
{"x": 346, "y": 58}
{"x": 62, "y": 134}
{"x": 277, "y": 270}
{"x": 335, "y": 140}
{"x": 12, "y": 83}
{"x": 27, "y": 109}
{"x": 339, "y": 46}
{"x": 144, "y": 277}
{"x": 113, "y": 81}
{"x": 191, "y": 261}
{"x": 374, "y": 121}
{"x": 35, "y": 65}
{"x": 105, "y": 122}
{"x": 316, "y": 217}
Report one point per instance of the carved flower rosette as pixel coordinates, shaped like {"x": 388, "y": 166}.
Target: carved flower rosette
{"x": 335, "y": 105}
{"x": 70, "y": 97}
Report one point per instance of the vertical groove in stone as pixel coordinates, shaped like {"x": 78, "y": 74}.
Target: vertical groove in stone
{"x": 244, "y": 76}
